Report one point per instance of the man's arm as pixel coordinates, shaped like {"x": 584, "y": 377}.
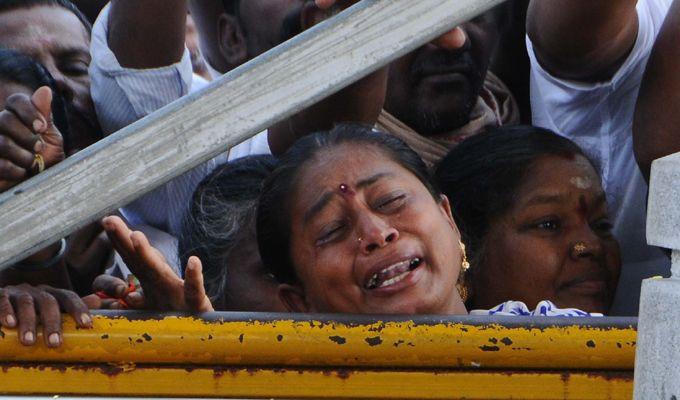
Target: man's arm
{"x": 657, "y": 115}
{"x": 147, "y": 33}
{"x": 582, "y": 40}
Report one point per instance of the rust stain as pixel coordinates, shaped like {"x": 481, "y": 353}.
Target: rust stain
{"x": 374, "y": 341}
{"x": 147, "y": 337}
{"x": 338, "y": 339}
{"x": 590, "y": 344}
{"x": 506, "y": 341}
{"x": 489, "y": 348}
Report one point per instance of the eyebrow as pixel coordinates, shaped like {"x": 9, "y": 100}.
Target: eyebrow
{"x": 318, "y": 206}
{"x": 560, "y": 198}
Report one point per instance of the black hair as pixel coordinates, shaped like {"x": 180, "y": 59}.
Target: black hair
{"x": 21, "y": 69}
{"x": 273, "y": 213}
{"x": 482, "y": 174}
{"x": 222, "y": 209}
{"x": 231, "y": 7}
{"x": 7, "y": 5}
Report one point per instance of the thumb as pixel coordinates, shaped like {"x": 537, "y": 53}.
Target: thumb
{"x": 42, "y": 100}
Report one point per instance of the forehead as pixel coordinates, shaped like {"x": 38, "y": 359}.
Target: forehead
{"x": 42, "y": 28}
{"x": 560, "y": 175}
{"x": 345, "y": 164}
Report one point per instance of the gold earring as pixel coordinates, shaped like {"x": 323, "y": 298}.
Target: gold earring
{"x": 463, "y": 291}
{"x": 464, "y": 265}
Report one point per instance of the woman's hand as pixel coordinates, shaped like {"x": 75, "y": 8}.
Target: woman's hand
{"x": 27, "y": 130}
{"x": 162, "y": 289}
{"x": 22, "y": 305}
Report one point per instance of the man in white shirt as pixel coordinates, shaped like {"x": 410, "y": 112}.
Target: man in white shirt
{"x": 587, "y": 59}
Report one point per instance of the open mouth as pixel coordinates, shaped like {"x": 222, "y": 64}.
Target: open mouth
{"x": 393, "y": 274}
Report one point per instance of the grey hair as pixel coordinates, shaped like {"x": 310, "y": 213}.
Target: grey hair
{"x": 222, "y": 212}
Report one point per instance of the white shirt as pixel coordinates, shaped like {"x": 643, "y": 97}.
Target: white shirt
{"x": 123, "y": 96}
{"x": 599, "y": 118}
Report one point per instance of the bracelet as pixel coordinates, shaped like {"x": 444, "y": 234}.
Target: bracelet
{"x": 41, "y": 265}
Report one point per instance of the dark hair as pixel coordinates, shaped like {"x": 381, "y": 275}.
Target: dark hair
{"x": 231, "y": 7}
{"x": 223, "y": 206}
{"x": 21, "y": 69}
{"x": 482, "y": 174}
{"x": 273, "y": 213}
{"x": 8, "y": 5}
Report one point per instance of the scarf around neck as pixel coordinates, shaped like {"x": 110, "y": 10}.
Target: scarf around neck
{"x": 495, "y": 107}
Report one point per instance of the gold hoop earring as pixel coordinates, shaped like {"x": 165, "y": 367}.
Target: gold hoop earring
{"x": 465, "y": 264}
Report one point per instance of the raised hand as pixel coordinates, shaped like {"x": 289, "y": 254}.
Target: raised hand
{"x": 163, "y": 289}
{"x": 22, "y": 305}
{"x": 29, "y": 140}
{"x": 454, "y": 39}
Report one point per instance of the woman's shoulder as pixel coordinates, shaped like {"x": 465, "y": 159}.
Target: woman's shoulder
{"x": 544, "y": 308}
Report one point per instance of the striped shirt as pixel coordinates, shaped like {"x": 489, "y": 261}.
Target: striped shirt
{"x": 123, "y": 96}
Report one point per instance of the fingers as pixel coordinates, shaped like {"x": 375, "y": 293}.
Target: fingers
{"x": 25, "y": 312}
{"x": 152, "y": 265}
{"x": 42, "y": 100}
{"x": 110, "y": 286}
{"x": 93, "y": 302}
{"x": 452, "y": 40}
{"x": 14, "y": 153}
{"x": 10, "y": 173}
{"x": 50, "y": 316}
{"x": 12, "y": 126}
{"x": 194, "y": 290}
{"x": 27, "y": 113}
{"x": 73, "y": 305}
{"x": 119, "y": 235}
{"x": 7, "y": 317}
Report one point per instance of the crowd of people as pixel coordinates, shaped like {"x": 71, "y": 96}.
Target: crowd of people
{"x": 500, "y": 169}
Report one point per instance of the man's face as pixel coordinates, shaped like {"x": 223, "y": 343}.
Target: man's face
{"x": 433, "y": 90}
{"x": 263, "y": 20}
{"x": 57, "y": 39}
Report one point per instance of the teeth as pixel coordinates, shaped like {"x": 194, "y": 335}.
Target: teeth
{"x": 375, "y": 280}
{"x": 395, "y": 279}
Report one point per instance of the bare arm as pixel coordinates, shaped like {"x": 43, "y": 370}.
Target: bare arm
{"x": 657, "y": 116}
{"x": 584, "y": 40}
{"x": 147, "y": 33}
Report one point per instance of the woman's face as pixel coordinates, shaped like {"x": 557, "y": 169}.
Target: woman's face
{"x": 554, "y": 243}
{"x": 368, "y": 237}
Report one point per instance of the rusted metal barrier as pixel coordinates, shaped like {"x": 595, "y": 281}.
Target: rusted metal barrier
{"x": 285, "y": 356}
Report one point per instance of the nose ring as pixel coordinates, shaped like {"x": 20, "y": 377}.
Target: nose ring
{"x": 580, "y": 248}
{"x": 360, "y": 240}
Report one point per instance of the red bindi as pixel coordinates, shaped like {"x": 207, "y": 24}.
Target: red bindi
{"x": 345, "y": 189}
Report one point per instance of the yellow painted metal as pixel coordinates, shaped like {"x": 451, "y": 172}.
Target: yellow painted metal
{"x": 300, "y": 383}
{"x": 181, "y": 341}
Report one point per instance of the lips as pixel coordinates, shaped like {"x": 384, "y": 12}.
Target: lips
{"x": 392, "y": 274}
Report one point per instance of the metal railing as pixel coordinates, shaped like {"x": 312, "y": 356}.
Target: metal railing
{"x": 329, "y": 356}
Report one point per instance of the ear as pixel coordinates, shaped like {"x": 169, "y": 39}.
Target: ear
{"x": 293, "y": 297}
{"x": 445, "y": 207}
{"x": 231, "y": 40}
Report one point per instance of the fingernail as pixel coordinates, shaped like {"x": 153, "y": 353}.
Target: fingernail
{"x": 38, "y": 125}
{"x": 85, "y": 319}
{"x": 54, "y": 340}
{"x": 39, "y": 145}
{"x": 10, "y": 321}
{"x": 29, "y": 337}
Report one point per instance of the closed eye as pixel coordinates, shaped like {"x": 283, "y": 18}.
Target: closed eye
{"x": 329, "y": 234}
{"x": 392, "y": 203}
